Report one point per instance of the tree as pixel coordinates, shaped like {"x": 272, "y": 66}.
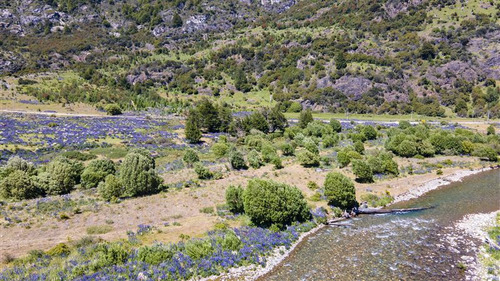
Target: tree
{"x": 193, "y": 133}
{"x": 207, "y": 116}
{"x": 369, "y": 132}
{"x": 110, "y": 189}
{"x": 241, "y": 82}
{"x": 311, "y": 146}
{"x": 362, "y": 171}
{"x": 234, "y": 199}
{"x": 427, "y": 51}
{"x": 137, "y": 174}
{"x": 407, "y": 149}
{"x": 336, "y": 126}
{"x": 203, "y": 172}
{"x": 340, "y": 191}
{"x": 18, "y": 185}
{"x": 269, "y": 202}
{"x": 277, "y": 120}
{"x": 219, "y": 149}
{"x": 359, "y": 147}
{"x": 176, "y": 21}
{"x": 96, "y": 171}
{"x": 305, "y": 118}
{"x": 237, "y": 161}
{"x": 287, "y": 149}
{"x": 190, "y": 157}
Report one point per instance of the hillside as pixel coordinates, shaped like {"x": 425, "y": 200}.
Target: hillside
{"x": 434, "y": 58}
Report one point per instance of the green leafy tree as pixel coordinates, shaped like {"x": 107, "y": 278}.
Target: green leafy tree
{"x": 311, "y": 146}
{"x": 96, "y": 171}
{"x": 234, "y": 199}
{"x": 254, "y": 159}
{"x": 369, "y": 132}
{"x": 362, "y": 171}
{"x": 428, "y": 51}
{"x": 110, "y": 189}
{"x": 287, "y": 149}
{"x": 203, "y": 172}
{"x": 268, "y": 202}
{"x": 137, "y": 174}
{"x": 220, "y": 149}
{"x": 305, "y": 118}
{"x": 407, "y": 149}
{"x": 308, "y": 159}
{"x": 277, "y": 120}
{"x": 490, "y": 130}
{"x": 61, "y": 176}
{"x": 113, "y": 109}
{"x": 359, "y": 147}
{"x": 340, "y": 191}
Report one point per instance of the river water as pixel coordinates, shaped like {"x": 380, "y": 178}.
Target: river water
{"x": 406, "y": 246}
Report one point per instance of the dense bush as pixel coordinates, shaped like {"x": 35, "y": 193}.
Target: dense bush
{"x": 268, "y": 152}
{"x": 269, "y": 202}
{"x": 203, "y": 172}
{"x": 96, "y": 171}
{"x": 113, "y": 109}
{"x": 234, "y": 199}
{"x": 336, "y": 126}
{"x": 485, "y": 151}
{"x": 369, "y": 132}
{"x": 287, "y": 149}
{"x": 192, "y": 131}
{"x": 362, "y": 171}
{"x": 60, "y": 176}
{"x": 155, "y": 254}
{"x": 111, "y": 188}
{"x": 330, "y": 140}
{"x": 346, "y": 155}
{"x": 18, "y": 185}
{"x": 137, "y": 174}
{"x": 254, "y": 159}
{"x": 340, "y": 191}
{"x": 308, "y": 159}
{"x": 190, "y": 157}
{"x": 311, "y": 146}
{"x": 305, "y": 118}
{"x": 359, "y": 147}
{"x": 220, "y": 149}
{"x": 236, "y": 159}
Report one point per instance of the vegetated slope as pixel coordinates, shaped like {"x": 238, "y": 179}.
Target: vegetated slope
{"x": 357, "y": 56}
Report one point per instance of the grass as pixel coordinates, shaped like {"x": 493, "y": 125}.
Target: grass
{"x": 110, "y": 152}
{"x": 99, "y": 229}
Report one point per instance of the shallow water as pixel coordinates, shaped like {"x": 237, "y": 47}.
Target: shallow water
{"x": 407, "y": 246}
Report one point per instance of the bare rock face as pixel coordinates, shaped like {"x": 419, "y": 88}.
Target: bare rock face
{"x": 446, "y": 74}
{"x": 353, "y": 86}
{"x": 9, "y": 63}
{"x": 277, "y": 6}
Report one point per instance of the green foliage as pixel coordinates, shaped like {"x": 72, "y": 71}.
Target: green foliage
{"x": 336, "y": 126}
{"x": 177, "y": 21}
{"x": 236, "y": 159}
{"x": 490, "y": 130}
{"x": 346, "y": 155}
{"x": 340, "y": 191}
{"x": 254, "y": 159}
{"x": 193, "y": 133}
{"x": 137, "y": 174}
{"x": 269, "y": 202}
{"x": 18, "y": 185}
{"x": 60, "y": 249}
{"x": 377, "y": 201}
{"x": 110, "y": 189}
{"x": 407, "y": 148}
{"x": 362, "y": 171}
{"x": 96, "y": 171}
{"x": 330, "y": 141}
{"x": 311, "y": 146}
{"x": 220, "y": 149}
{"x": 268, "y": 152}
{"x": 77, "y": 155}
{"x": 287, "y": 149}
{"x": 234, "y": 199}
{"x": 203, "y": 172}
{"x": 190, "y": 157}
{"x": 485, "y": 151}
{"x": 312, "y": 185}
{"x": 369, "y": 132}
{"x": 99, "y": 229}
{"x": 359, "y": 147}
{"x": 60, "y": 177}
{"x": 156, "y": 253}
{"x": 308, "y": 159}
{"x": 305, "y": 118}
{"x": 295, "y": 107}
{"x": 113, "y": 109}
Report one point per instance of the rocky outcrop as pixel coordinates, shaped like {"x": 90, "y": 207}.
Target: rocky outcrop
{"x": 353, "y": 86}
{"x": 394, "y": 7}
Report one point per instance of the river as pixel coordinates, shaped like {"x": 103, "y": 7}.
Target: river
{"x": 406, "y": 246}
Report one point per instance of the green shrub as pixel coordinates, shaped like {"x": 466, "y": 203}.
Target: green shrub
{"x": 312, "y": 185}
{"x": 269, "y": 202}
{"x": 485, "y": 151}
{"x": 276, "y": 161}
{"x": 359, "y": 147}
{"x": 203, "y": 172}
{"x": 369, "y": 132}
{"x": 362, "y": 171}
{"x": 207, "y": 210}
{"x": 137, "y": 174}
{"x": 220, "y": 149}
{"x": 346, "y": 155}
{"x": 113, "y": 109}
{"x": 287, "y": 149}
{"x": 18, "y": 185}
{"x": 156, "y": 253}
{"x": 198, "y": 248}
{"x": 490, "y": 130}
{"x": 295, "y": 107}
{"x": 234, "y": 199}
{"x": 254, "y": 159}
{"x": 108, "y": 254}
{"x": 404, "y": 125}
{"x": 77, "y": 155}
{"x": 308, "y": 159}
{"x": 96, "y": 171}
{"x": 311, "y": 146}
{"x": 192, "y": 131}
{"x": 377, "y": 201}
{"x": 336, "y": 126}
{"x": 61, "y": 176}
{"x": 426, "y": 149}
{"x": 330, "y": 141}
{"x": 407, "y": 149}
{"x": 99, "y": 229}
{"x": 16, "y": 163}
{"x": 268, "y": 152}
{"x": 237, "y": 161}
{"x": 110, "y": 189}
{"x": 340, "y": 191}
{"x": 190, "y": 157}
{"x": 305, "y": 118}
{"x": 60, "y": 249}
